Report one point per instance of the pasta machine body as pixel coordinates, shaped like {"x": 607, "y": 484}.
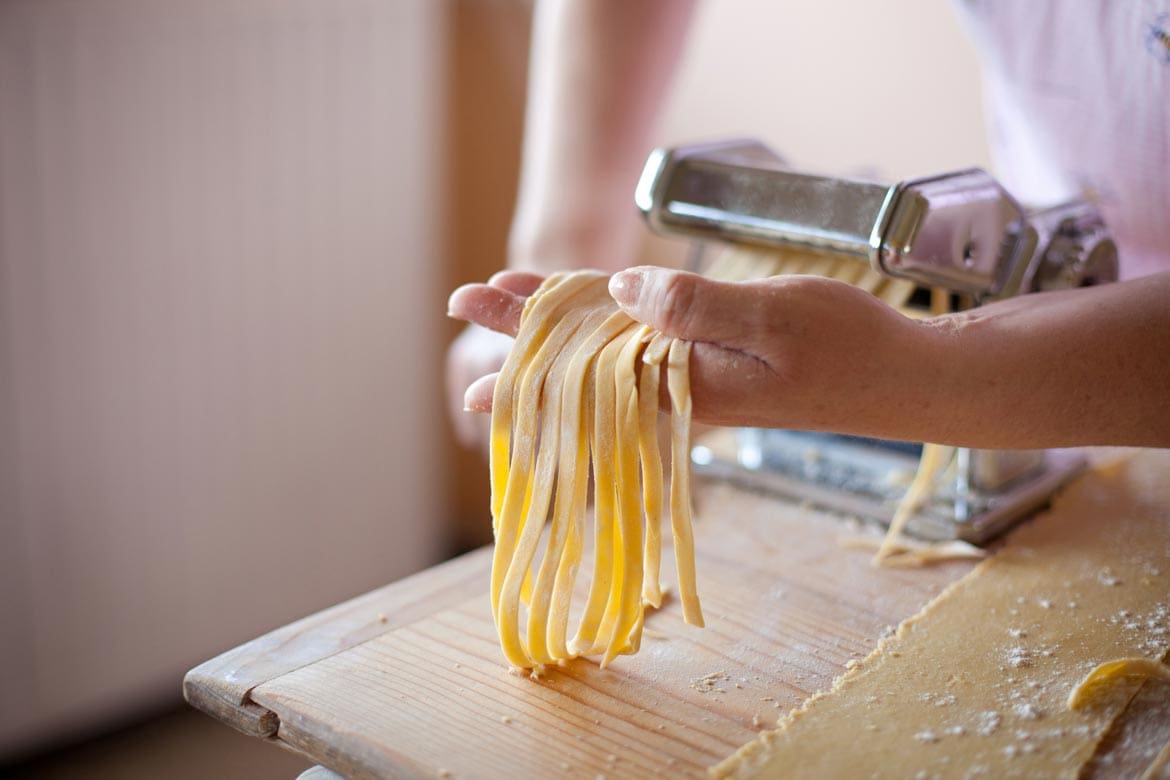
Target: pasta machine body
{"x": 957, "y": 233}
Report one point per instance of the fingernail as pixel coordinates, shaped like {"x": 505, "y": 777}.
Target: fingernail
{"x": 453, "y": 298}
{"x": 626, "y": 286}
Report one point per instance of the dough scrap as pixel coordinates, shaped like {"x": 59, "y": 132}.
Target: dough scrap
{"x": 1104, "y": 678}
{"x": 909, "y": 553}
{"x": 977, "y": 683}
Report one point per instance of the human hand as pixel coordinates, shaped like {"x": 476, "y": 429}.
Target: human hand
{"x": 792, "y": 352}
{"x": 798, "y": 352}
{"x": 480, "y": 350}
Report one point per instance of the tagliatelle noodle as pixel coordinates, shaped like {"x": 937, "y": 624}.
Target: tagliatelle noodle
{"x": 571, "y": 394}
{"x": 651, "y": 459}
{"x": 601, "y": 455}
{"x": 626, "y": 608}
{"x": 527, "y": 494}
{"x": 934, "y": 459}
{"x": 546, "y": 628}
{"x": 678, "y": 383}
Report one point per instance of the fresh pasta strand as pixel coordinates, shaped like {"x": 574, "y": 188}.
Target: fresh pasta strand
{"x": 628, "y": 604}
{"x": 606, "y": 558}
{"x": 651, "y": 462}
{"x": 574, "y": 392}
{"x": 935, "y": 458}
{"x": 546, "y": 629}
{"x": 530, "y": 477}
{"x": 678, "y": 383}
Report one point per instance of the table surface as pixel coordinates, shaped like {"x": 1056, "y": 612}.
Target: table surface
{"x": 408, "y": 680}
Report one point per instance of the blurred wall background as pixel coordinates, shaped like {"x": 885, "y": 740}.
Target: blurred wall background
{"x": 227, "y": 230}
{"x": 220, "y": 310}
{"x": 843, "y": 86}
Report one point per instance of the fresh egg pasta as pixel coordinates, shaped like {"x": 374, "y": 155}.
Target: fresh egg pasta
{"x": 579, "y": 391}
{"x": 579, "y": 394}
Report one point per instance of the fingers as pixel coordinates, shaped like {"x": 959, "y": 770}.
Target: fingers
{"x": 730, "y": 387}
{"x": 488, "y": 306}
{"x": 476, "y": 352}
{"x": 522, "y": 283}
{"x": 689, "y": 306}
{"x": 478, "y": 397}
{"x": 496, "y": 305}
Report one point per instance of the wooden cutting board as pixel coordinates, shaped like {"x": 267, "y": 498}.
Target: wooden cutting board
{"x": 408, "y": 680}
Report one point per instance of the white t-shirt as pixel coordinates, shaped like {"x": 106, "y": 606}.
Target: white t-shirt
{"x": 1078, "y": 99}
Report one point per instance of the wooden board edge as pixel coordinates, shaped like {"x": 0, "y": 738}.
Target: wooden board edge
{"x": 208, "y": 695}
{"x": 221, "y": 686}
{"x": 346, "y": 755}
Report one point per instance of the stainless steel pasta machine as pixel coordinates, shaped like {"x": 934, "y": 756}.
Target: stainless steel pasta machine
{"x": 960, "y": 235}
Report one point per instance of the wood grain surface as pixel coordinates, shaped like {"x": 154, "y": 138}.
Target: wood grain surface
{"x": 408, "y": 680}
{"x": 222, "y": 686}
{"x": 427, "y": 693}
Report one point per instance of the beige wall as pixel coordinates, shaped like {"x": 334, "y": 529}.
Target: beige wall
{"x": 220, "y": 306}
{"x": 486, "y": 61}
{"x": 884, "y": 90}
{"x": 837, "y": 86}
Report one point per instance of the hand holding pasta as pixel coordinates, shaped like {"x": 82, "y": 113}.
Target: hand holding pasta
{"x": 801, "y": 352}
{"x": 581, "y": 387}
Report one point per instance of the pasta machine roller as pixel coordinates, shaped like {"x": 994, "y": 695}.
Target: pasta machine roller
{"x": 957, "y": 233}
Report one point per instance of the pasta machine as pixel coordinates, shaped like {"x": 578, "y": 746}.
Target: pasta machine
{"x": 960, "y": 235}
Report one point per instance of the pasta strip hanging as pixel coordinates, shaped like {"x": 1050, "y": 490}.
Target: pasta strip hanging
{"x": 607, "y": 573}
{"x": 561, "y": 430}
{"x": 678, "y": 383}
{"x": 651, "y": 464}
{"x": 529, "y": 488}
{"x": 567, "y": 397}
{"x": 579, "y": 386}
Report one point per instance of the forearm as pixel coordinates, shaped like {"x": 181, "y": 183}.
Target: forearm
{"x": 598, "y": 74}
{"x": 1078, "y": 367}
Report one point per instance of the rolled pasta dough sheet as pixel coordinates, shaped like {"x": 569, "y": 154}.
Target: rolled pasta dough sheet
{"x": 976, "y": 685}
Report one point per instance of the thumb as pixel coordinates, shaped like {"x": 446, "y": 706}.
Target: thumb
{"x": 687, "y": 306}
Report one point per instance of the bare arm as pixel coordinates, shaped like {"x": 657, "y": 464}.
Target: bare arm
{"x": 1078, "y": 367}
{"x": 1087, "y": 366}
{"x": 598, "y": 76}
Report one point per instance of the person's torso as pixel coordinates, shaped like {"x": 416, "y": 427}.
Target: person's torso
{"x": 1078, "y": 98}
